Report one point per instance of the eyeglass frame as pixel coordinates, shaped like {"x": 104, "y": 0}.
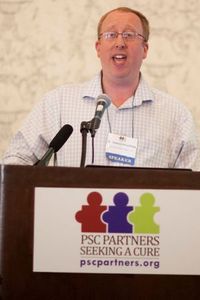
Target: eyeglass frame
{"x": 136, "y": 35}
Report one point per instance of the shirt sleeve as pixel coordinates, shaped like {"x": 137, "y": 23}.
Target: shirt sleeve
{"x": 32, "y": 139}
{"x": 185, "y": 143}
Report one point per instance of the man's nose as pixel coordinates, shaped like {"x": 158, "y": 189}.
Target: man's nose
{"x": 119, "y": 43}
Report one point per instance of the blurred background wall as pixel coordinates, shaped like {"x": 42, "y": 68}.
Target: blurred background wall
{"x": 46, "y": 43}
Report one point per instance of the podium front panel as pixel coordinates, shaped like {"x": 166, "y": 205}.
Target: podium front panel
{"x": 19, "y": 281}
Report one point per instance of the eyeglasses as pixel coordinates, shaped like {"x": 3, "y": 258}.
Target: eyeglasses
{"x": 126, "y": 35}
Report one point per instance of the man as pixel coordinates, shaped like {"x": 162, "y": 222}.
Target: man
{"x": 143, "y": 127}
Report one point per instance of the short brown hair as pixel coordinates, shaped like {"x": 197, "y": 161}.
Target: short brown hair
{"x": 143, "y": 19}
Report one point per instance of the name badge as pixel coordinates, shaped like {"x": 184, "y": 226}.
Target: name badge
{"x": 121, "y": 149}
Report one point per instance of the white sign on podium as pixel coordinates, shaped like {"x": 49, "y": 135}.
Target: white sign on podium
{"x": 133, "y": 231}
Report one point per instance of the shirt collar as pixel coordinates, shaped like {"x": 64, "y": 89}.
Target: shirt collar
{"x": 92, "y": 89}
{"x": 143, "y": 94}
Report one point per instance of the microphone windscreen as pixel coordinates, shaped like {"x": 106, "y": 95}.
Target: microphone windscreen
{"x": 61, "y": 137}
{"x": 104, "y": 97}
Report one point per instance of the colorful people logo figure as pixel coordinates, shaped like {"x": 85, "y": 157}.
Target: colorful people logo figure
{"x": 116, "y": 216}
{"x": 143, "y": 216}
{"x": 90, "y": 215}
{"x": 119, "y": 218}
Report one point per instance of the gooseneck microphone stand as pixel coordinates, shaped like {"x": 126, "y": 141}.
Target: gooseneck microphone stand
{"x": 85, "y": 128}
{"x": 103, "y": 101}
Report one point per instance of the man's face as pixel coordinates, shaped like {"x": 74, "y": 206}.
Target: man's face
{"x": 121, "y": 59}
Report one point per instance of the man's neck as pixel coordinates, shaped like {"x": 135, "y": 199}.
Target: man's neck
{"x": 120, "y": 91}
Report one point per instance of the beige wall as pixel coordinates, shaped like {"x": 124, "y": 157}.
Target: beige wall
{"x": 45, "y": 43}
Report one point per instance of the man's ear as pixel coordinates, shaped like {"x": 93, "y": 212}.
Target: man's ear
{"x": 97, "y": 46}
{"x": 146, "y": 48}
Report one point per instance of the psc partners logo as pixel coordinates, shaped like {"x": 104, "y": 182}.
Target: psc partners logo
{"x": 120, "y": 234}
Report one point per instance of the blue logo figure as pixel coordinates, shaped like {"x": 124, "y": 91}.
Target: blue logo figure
{"x": 116, "y": 216}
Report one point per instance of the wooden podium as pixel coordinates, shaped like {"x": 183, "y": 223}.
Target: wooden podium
{"x": 17, "y": 200}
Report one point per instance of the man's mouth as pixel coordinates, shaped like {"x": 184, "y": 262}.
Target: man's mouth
{"x": 119, "y": 57}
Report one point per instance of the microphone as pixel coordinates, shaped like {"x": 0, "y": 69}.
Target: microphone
{"x": 103, "y": 101}
{"x": 58, "y": 141}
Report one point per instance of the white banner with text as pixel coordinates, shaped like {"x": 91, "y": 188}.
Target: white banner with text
{"x": 133, "y": 231}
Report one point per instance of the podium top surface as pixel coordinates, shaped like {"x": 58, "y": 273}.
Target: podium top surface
{"x": 100, "y": 176}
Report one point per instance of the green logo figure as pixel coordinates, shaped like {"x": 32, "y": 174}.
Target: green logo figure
{"x": 142, "y": 217}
